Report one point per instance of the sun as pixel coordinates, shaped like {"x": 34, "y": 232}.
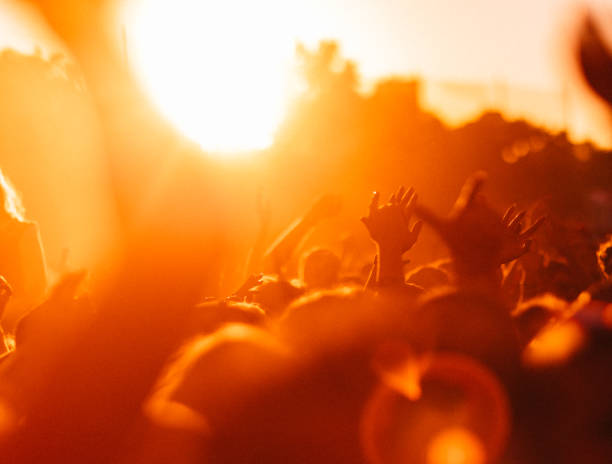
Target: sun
{"x": 220, "y": 71}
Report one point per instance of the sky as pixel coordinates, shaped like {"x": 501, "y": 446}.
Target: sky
{"x": 516, "y": 43}
{"x": 468, "y": 40}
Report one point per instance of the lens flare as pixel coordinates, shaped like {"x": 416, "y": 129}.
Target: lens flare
{"x": 456, "y": 446}
{"x": 555, "y": 344}
{"x": 606, "y": 316}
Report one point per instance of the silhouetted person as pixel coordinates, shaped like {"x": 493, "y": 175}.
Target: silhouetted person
{"x": 22, "y": 260}
{"x": 320, "y": 269}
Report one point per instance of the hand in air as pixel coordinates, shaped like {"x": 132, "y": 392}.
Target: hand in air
{"x": 516, "y": 239}
{"x": 389, "y": 224}
{"x": 478, "y": 237}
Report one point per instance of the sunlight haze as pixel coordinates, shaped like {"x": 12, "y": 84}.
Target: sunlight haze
{"x": 238, "y": 56}
{"x": 212, "y": 67}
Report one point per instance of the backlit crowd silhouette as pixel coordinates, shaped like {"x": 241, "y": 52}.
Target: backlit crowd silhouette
{"x": 484, "y": 357}
{"x": 501, "y": 352}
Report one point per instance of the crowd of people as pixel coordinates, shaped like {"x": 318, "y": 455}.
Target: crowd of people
{"x": 499, "y": 353}
{"x": 496, "y": 352}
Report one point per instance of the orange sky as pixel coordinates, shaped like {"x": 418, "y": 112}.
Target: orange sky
{"x": 514, "y": 43}
{"x": 473, "y": 40}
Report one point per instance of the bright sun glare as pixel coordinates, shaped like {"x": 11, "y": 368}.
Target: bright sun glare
{"x": 220, "y": 71}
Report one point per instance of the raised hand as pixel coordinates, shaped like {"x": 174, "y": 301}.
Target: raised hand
{"x": 289, "y": 241}
{"x": 478, "y": 237}
{"x": 62, "y": 316}
{"x": 389, "y": 225}
{"x": 516, "y": 241}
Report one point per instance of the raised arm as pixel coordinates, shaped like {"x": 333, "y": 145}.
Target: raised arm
{"x": 288, "y": 242}
{"x": 389, "y": 227}
{"x": 480, "y": 240}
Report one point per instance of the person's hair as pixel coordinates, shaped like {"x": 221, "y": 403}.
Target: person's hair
{"x": 428, "y": 276}
{"x": 320, "y": 268}
{"x": 10, "y": 200}
{"x": 604, "y": 257}
{"x": 331, "y": 320}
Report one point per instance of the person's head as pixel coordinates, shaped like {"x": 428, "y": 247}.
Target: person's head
{"x": 323, "y": 318}
{"x": 343, "y": 319}
{"x": 320, "y": 269}
{"x": 274, "y": 295}
{"x": 428, "y": 276}
{"x": 472, "y": 323}
{"x": 10, "y": 203}
{"x": 225, "y": 390}
{"x": 209, "y": 316}
{"x": 229, "y": 365}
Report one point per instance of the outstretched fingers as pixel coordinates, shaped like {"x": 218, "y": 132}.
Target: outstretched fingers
{"x": 516, "y": 223}
{"x": 416, "y": 230}
{"x": 533, "y": 228}
{"x": 397, "y": 196}
{"x": 374, "y": 203}
{"x": 509, "y": 214}
{"x": 407, "y": 197}
{"x": 372, "y": 209}
{"x": 408, "y": 209}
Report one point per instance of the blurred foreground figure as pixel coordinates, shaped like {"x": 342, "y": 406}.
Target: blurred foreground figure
{"x": 595, "y": 61}
{"x": 381, "y": 375}
{"x": 22, "y": 260}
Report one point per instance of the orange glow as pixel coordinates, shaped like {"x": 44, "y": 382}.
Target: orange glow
{"x": 456, "y": 446}
{"x": 406, "y": 379}
{"x": 8, "y": 419}
{"x": 555, "y": 344}
{"x": 389, "y": 428}
{"x": 219, "y": 71}
{"x": 606, "y": 316}
{"x": 401, "y": 370}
